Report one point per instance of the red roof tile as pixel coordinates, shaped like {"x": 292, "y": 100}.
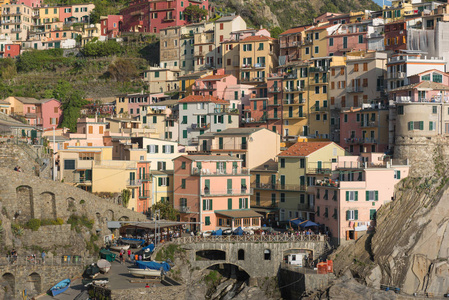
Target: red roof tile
{"x": 295, "y": 30}
{"x": 199, "y": 98}
{"x": 257, "y": 38}
{"x": 303, "y": 148}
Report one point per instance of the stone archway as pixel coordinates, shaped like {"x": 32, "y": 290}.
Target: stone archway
{"x": 109, "y": 215}
{"x": 11, "y": 281}
{"x": 124, "y": 218}
{"x": 34, "y": 284}
{"x": 25, "y": 203}
{"x": 47, "y": 204}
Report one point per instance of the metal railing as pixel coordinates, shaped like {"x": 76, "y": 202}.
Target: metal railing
{"x": 251, "y": 238}
{"x": 278, "y": 186}
{"x": 136, "y": 182}
{"x": 65, "y": 260}
{"x": 230, "y": 147}
{"x": 237, "y": 171}
{"x": 227, "y": 192}
{"x": 183, "y": 209}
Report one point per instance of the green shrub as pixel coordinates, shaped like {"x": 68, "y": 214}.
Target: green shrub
{"x": 77, "y": 222}
{"x": 33, "y": 224}
{"x": 16, "y": 229}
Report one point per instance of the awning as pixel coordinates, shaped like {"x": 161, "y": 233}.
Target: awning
{"x": 239, "y": 213}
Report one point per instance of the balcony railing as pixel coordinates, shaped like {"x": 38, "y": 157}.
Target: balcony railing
{"x": 275, "y": 89}
{"x": 202, "y": 126}
{"x": 354, "y": 89}
{"x": 369, "y": 124}
{"x": 360, "y": 140}
{"x": 254, "y": 120}
{"x": 136, "y": 182}
{"x": 226, "y": 111}
{"x": 279, "y": 187}
{"x": 227, "y": 192}
{"x": 145, "y": 194}
{"x": 319, "y": 171}
{"x": 146, "y": 177}
{"x": 207, "y": 172}
{"x": 183, "y": 209}
{"x": 230, "y": 147}
{"x": 293, "y": 101}
{"x": 318, "y": 69}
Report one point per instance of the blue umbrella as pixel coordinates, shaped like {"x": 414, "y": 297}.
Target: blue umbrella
{"x": 308, "y": 223}
{"x": 219, "y": 232}
{"x": 296, "y": 222}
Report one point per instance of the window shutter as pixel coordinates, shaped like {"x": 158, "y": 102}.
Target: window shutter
{"x": 356, "y": 214}
{"x": 367, "y": 195}
{"x": 204, "y": 204}
{"x": 410, "y": 125}
{"x": 215, "y": 119}
{"x": 210, "y": 204}
{"x": 172, "y": 149}
{"x": 224, "y": 166}
{"x": 347, "y": 196}
{"x": 156, "y": 149}
{"x": 229, "y": 203}
{"x": 240, "y": 202}
{"x": 398, "y": 175}
{"x": 348, "y": 215}
{"x": 356, "y": 196}
{"x": 198, "y": 120}
{"x": 218, "y": 166}
{"x": 148, "y": 148}
{"x": 168, "y": 181}
{"x": 244, "y": 182}
{"x": 421, "y": 125}
{"x": 159, "y": 181}
{"x": 430, "y": 125}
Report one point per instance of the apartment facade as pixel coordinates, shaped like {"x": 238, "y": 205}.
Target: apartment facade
{"x": 214, "y": 191}
{"x": 159, "y": 153}
{"x": 17, "y": 21}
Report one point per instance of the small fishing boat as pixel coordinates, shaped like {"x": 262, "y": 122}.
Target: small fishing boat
{"x": 88, "y": 281}
{"x": 133, "y": 242}
{"x": 103, "y": 265}
{"x": 91, "y": 271}
{"x": 138, "y": 272}
{"x": 60, "y": 287}
{"x": 119, "y": 247}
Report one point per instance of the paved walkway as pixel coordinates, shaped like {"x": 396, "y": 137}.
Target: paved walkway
{"x": 119, "y": 278}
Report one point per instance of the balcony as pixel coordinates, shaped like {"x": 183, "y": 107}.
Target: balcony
{"x": 253, "y": 80}
{"x": 319, "y": 171}
{"x": 274, "y": 104}
{"x": 294, "y": 90}
{"x": 259, "y": 66}
{"x": 254, "y": 120}
{"x": 354, "y": 89}
{"x": 307, "y": 42}
{"x": 274, "y": 117}
{"x": 202, "y": 126}
{"x": 16, "y": 30}
{"x": 369, "y": 124}
{"x": 295, "y": 116}
{"x": 230, "y": 147}
{"x": 11, "y": 13}
{"x": 200, "y": 53}
{"x": 183, "y": 209}
{"x": 227, "y": 192}
{"x": 293, "y": 101}
{"x": 133, "y": 183}
{"x": 168, "y": 19}
{"x": 83, "y": 181}
{"x": 231, "y": 111}
{"x": 279, "y": 187}
{"x": 145, "y": 194}
{"x": 360, "y": 140}
{"x": 204, "y": 87}
{"x": 147, "y": 177}
{"x": 207, "y": 172}
{"x": 187, "y": 36}
{"x": 318, "y": 69}
{"x": 291, "y": 76}
{"x": 274, "y": 89}
{"x": 394, "y": 75}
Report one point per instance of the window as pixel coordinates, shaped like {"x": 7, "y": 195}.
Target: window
{"x": 317, "y": 90}
{"x": 183, "y": 165}
{"x": 331, "y": 43}
{"x": 267, "y": 254}
{"x": 163, "y": 181}
{"x": 282, "y": 197}
{"x": 184, "y": 134}
{"x": 437, "y": 77}
{"x": 434, "y": 109}
{"x": 372, "y": 195}
{"x": 432, "y": 125}
{"x": 156, "y": 74}
{"x": 207, "y": 204}
{"x": 417, "y": 125}
{"x": 356, "y": 67}
{"x": 397, "y": 174}
{"x": 360, "y": 39}
{"x": 317, "y": 35}
{"x": 183, "y": 183}
{"x": 69, "y": 164}
{"x": 282, "y": 162}
{"x": 401, "y": 110}
{"x": 307, "y": 50}
{"x": 316, "y": 49}
{"x": 365, "y": 66}
{"x": 230, "y": 202}
{"x": 352, "y": 215}
{"x": 345, "y": 118}
{"x": 372, "y": 214}
{"x": 152, "y": 148}
{"x": 207, "y": 221}
{"x": 243, "y": 203}
{"x": 352, "y": 195}
{"x": 302, "y": 163}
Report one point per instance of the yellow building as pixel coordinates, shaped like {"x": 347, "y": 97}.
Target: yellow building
{"x": 315, "y": 42}
{"x": 299, "y": 167}
{"x": 3, "y": 2}
{"x": 397, "y": 10}
{"x": 187, "y": 81}
{"x": 47, "y": 15}
{"x": 162, "y": 186}
{"x": 258, "y": 58}
{"x": 231, "y": 57}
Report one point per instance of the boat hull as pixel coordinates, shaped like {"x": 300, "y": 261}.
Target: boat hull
{"x": 105, "y": 270}
{"x": 144, "y": 272}
{"x": 58, "y": 289}
{"x": 119, "y": 248}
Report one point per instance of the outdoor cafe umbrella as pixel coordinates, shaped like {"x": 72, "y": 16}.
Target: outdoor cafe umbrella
{"x": 238, "y": 231}
{"x": 219, "y": 232}
{"x": 296, "y": 222}
{"x": 308, "y": 223}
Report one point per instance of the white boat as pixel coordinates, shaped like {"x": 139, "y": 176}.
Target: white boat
{"x": 135, "y": 271}
{"x": 104, "y": 265}
{"x": 119, "y": 247}
{"x": 207, "y": 233}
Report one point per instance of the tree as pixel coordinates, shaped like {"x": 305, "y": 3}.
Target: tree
{"x": 275, "y": 32}
{"x": 167, "y": 210}
{"x": 194, "y": 13}
{"x": 96, "y": 48}
{"x": 125, "y": 197}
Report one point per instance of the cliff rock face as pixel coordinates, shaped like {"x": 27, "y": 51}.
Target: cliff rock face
{"x": 288, "y": 13}
{"x": 410, "y": 247}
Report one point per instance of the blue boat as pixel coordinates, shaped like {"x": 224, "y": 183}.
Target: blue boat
{"x": 60, "y": 287}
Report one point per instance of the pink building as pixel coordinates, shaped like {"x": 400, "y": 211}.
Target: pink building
{"x": 347, "y": 38}
{"x": 89, "y": 132}
{"x": 111, "y": 25}
{"x": 65, "y": 12}
{"x": 348, "y": 200}
{"x": 51, "y": 112}
{"x": 213, "y": 85}
{"x": 214, "y": 191}
{"x": 152, "y": 16}
{"x": 31, "y": 3}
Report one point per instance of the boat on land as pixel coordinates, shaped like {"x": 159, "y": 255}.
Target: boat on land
{"x": 133, "y": 242}
{"x": 103, "y": 265}
{"x": 108, "y": 255}
{"x": 149, "y": 269}
{"x": 88, "y": 281}
{"x": 60, "y": 287}
{"x": 119, "y": 247}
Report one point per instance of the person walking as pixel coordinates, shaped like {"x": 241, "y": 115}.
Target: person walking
{"x": 129, "y": 254}
{"x": 121, "y": 256}
{"x": 43, "y": 256}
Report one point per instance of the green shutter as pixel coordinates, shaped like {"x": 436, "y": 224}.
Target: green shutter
{"x": 356, "y": 196}
{"x": 168, "y": 181}
{"x": 207, "y": 183}
{"x": 372, "y": 212}
{"x": 184, "y": 134}
{"x": 244, "y": 182}
{"x": 421, "y": 125}
{"x": 215, "y": 119}
{"x": 204, "y": 204}
{"x": 159, "y": 181}
{"x": 240, "y": 203}
{"x": 199, "y": 165}
{"x": 430, "y": 125}
{"x": 318, "y": 211}
{"x": 210, "y": 204}
{"x": 229, "y": 203}
{"x": 229, "y": 184}
{"x": 398, "y": 175}
{"x": 157, "y": 149}
{"x": 376, "y": 195}
{"x": 367, "y": 195}
{"x": 356, "y": 214}
{"x": 198, "y": 120}
{"x": 410, "y": 125}
{"x": 348, "y": 215}
{"x": 207, "y": 220}
{"x": 172, "y": 149}
{"x": 347, "y": 196}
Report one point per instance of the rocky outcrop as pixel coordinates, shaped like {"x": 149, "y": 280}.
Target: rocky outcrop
{"x": 409, "y": 249}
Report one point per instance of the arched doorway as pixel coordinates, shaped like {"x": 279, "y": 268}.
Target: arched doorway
{"x": 11, "y": 281}
{"x": 241, "y": 254}
{"x": 25, "y": 203}
{"x": 34, "y": 284}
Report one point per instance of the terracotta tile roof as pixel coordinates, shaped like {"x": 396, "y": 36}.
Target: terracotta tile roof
{"x": 199, "y": 98}
{"x": 213, "y": 77}
{"x": 304, "y": 148}
{"x": 295, "y": 30}
{"x": 423, "y": 85}
{"x": 257, "y": 38}
{"x": 320, "y": 27}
